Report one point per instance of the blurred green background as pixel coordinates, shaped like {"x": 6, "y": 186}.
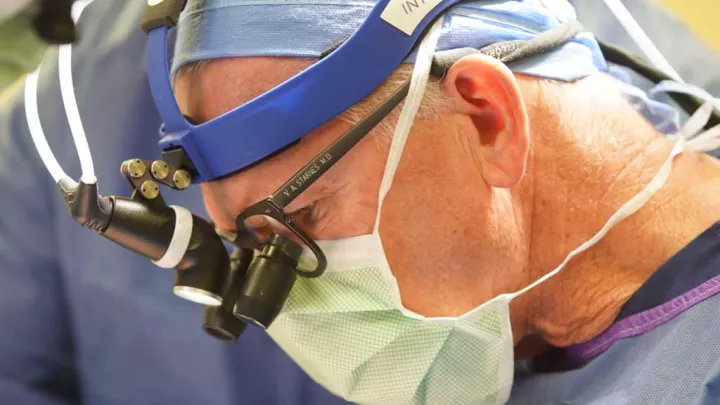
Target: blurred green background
{"x": 20, "y": 49}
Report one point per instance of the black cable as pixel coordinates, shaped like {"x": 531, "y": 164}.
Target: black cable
{"x": 509, "y": 51}
{"x": 618, "y": 56}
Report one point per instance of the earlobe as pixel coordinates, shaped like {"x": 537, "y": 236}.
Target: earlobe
{"x": 486, "y": 91}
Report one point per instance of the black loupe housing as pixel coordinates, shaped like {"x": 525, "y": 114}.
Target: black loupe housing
{"x": 201, "y": 275}
{"x": 270, "y": 278}
{"x": 219, "y": 321}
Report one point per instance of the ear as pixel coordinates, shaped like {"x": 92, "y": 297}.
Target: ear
{"x": 486, "y": 91}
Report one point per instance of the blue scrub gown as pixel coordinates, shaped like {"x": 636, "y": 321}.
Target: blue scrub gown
{"x": 664, "y": 348}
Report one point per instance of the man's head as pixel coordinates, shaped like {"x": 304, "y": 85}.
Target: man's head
{"x": 502, "y": 173}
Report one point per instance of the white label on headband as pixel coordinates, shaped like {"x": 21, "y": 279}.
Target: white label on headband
{"x": 405, "y": 15}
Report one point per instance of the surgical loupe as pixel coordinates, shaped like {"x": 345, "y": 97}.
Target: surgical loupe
{"x": 253, "y": 283}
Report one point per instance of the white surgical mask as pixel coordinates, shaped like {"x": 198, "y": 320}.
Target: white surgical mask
{"x": 350, "y": 332}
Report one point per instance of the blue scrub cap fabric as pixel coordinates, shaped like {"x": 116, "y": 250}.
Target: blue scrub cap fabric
{"x": 210, "y": 29}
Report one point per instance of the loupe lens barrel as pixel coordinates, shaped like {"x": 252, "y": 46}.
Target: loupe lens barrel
{"x": 220, "y": 321}
{"x": 270, "y": 278}
{"x": 203, "y": 270}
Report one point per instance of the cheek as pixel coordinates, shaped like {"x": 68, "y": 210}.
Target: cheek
{"x": 349, "y": 193}
{"x": 351, "y": 214}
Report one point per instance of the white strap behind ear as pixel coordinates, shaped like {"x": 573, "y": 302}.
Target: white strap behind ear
{"x": 689, "y": 130}
{"x": 418, "y": 83}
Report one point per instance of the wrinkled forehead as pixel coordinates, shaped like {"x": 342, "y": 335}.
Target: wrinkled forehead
{"x": 214, "y": 29}
{"x": 216, "y": 88}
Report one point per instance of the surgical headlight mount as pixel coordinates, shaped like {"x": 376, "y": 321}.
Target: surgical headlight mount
{"x": 253, "y": 284}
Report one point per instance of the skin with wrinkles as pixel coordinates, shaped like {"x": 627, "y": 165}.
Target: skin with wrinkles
{"x": 491, "y": 193}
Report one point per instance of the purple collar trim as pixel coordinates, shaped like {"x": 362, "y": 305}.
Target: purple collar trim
{"x": 641, "y": 323}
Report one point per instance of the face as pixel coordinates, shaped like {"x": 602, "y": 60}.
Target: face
{"x": 322, "y": 211}
{"x": 430, "y": 224}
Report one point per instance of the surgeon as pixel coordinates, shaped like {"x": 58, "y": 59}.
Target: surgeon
{"x": 104, "y": 328}
{"x": 536, "y": 208}
{"x": 83, "y": 321}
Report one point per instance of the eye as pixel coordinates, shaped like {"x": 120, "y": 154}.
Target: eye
{"x": 263, "y": 227}
{"x": 304, "y": 216}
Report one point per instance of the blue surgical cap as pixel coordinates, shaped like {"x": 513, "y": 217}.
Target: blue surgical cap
{"x": 210, "y": 29}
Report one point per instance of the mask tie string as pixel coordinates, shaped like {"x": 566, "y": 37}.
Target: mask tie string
{"x": 683, "y": 141}
{"x": 418, "y": 84}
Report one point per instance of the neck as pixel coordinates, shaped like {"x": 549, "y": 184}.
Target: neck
{"x": 571, "y": 201}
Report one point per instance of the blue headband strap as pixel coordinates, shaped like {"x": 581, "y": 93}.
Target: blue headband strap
{"x": 286, "y": 113}
{"x": 283, "y": 115}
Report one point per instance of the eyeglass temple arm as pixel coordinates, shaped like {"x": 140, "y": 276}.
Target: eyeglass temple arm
{"x": 326, "y": 159}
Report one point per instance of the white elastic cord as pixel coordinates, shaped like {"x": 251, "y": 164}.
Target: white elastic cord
{"x": 67, "y": 91}
{"x": 180, "y": 239}
{"x": 78, "y": 7}
{"x": 697, "y": 121}
{"x": 418, "y": 83}
{"x": 664, "y": 117}
{"x": 641, "y": 38}
{"x": 73, "y": 115}
{"x": 695, "y": 124}
{"x": 669, "y": 86}
{"x": 708, "y": 140}
{"x": 561, "y": 9}
{"x": 33, "y": 117}
{"x": 36, "y": 132}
